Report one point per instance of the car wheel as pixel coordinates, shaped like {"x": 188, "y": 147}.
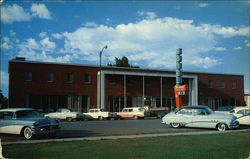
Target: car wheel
{"x": 135, "y": 117}
{"x": 221, "y": 127}
{"x": 175, "y": 125}
{"x": 27, "y": 133}
{"x": 69, "y": 119}
{"x": 100, "y": 118}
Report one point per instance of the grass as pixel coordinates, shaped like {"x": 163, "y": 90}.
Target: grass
{"x": 219, "y": 146}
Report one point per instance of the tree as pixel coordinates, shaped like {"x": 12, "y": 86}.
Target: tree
{"x": 3, "y": 100}
{"x": 123, "y": 62}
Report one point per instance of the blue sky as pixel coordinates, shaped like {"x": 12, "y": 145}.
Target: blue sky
{"x": 214, "y": 36}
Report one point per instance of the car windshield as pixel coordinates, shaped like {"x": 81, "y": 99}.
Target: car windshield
{"x": 27, "y": 114}
{"x": 102, "y": 110}
{"x": 225, "y": 108}
{"x": 209, "y": 111}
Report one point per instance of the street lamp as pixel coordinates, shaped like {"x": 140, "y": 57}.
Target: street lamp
{"x": 100, "y": 91}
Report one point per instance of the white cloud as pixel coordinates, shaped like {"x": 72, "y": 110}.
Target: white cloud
{"x": 56, "y": 36}
{"x": 90, "y": 24}
{"x": 43, "y": 34}
{"x": 14, "y": 13}
{"x": 237, "y": 48}
{"x": 6, "y": 44}
{"x": 47, "y": 43}
{"x": 202, "y": 5}
{"x": 41, "y": 11}
{"x": 152, "y": 42}
{"x": 227, "y": 31}
{"x": 148, "y": 15}
{"x": 148, "y": 43}
{"x": 219, "y": 49}
{"x": 247, "y": 43}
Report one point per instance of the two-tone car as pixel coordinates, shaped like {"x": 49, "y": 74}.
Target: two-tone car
{"x": 99, "y": 114}
{"x": 26, "y": 122}
{"x": 242, "y": 113}
{"x": 65, "y": 114}
{"x": 200, "y": 117}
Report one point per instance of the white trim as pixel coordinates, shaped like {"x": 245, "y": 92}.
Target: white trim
{"x": 193, "y": 83}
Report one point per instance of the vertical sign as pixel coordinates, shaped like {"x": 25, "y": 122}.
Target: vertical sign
{"x": 178, "y": 77}
{"x": 178, "y": 67}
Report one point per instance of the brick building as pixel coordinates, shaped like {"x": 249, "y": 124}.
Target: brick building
{"x": 46, "y": 86}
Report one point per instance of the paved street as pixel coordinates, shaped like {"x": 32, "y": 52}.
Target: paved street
{"x": 111, "y": 127}
{"x": 107, "y": 128}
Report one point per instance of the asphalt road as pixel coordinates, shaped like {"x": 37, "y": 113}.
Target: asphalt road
{"x": 108, "y": 128}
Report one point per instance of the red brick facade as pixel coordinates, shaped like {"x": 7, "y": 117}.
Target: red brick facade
{"x": 41, "y": 93}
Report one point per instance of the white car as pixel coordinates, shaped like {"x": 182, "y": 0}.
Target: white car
{"x": 133, "y": 112}
{"x": 99, "y": 114}
{"x": 243, "y": 114}
{"x": 26, "y": 122}
{"x": 202, "y": 117}
{"x": 65, "y": 114}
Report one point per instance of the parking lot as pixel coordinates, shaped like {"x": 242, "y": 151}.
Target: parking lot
{"x": 110, "y": 127}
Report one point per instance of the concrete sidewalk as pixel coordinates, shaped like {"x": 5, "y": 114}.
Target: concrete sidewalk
{"x": 119, "y": 137}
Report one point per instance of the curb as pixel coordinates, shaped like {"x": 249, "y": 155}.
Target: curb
{"x": 120, "y": 137}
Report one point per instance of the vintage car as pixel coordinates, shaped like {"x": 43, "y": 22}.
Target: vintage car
{"x": 99, "y": 114}
{"x": 26, "y": 122}
{"x": 200, "y": 116}
{"x": 243, "y": 114}
{"x": 133, "y": 112}
{"x": 65, "y": 114}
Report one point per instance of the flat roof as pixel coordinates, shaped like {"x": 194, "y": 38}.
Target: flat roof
{"x": 120, "y": 68}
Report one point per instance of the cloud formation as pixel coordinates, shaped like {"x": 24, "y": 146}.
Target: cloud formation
{"x": 10, "y": 14}
{"x": 149, "y": 43}
{"x": 41, "y": 11}
{"x": 15, "y": 13}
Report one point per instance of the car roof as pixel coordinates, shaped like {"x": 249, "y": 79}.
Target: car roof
{"x": 15, "y": 109}
{"x": 241, "y": 107}
{"x": 195, "y": 106}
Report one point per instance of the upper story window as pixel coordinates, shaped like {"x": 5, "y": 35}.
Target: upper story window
{"x": 210, "y": 84}
{"x": 69, "y": 77}
{"x": 222, "y": 84}
{"x": 50, "y": 77}
{"x": 87, "y": 78}
{"x": 234, "y": 84}
{"x": 28, "y": 76}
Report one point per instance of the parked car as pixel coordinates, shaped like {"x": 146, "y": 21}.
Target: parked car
{"x": 158, "y": 112}
{"x": 26, "y": 122}
{"x": 200, "y": 116}
{"x": 65, "y": 114}
{"x": 99, "y": 114}
{"x": 133, "y": 112}
{"x": 243, "y": 114}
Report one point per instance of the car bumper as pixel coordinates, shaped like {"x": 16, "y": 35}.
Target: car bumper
{"x": 46, "y": 130}
{"x": 234, "y": 125}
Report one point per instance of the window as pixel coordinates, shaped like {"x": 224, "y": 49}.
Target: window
{"x": 50, "y": 77}
{"x": 222, "y": 84}
{"x": 28, "y": 76}
{"x": 210, "y": 84}
{"x": 87, "y": 78}
{"x": 234, "y": 84}
{"x": 69, "y": 77}
{"x": 185, "y": 111}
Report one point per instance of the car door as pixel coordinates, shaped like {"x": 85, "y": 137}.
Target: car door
{"x": 200, "y": 119}
{"x": 184, "y": 117}
{"x": 8, "y": 124}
